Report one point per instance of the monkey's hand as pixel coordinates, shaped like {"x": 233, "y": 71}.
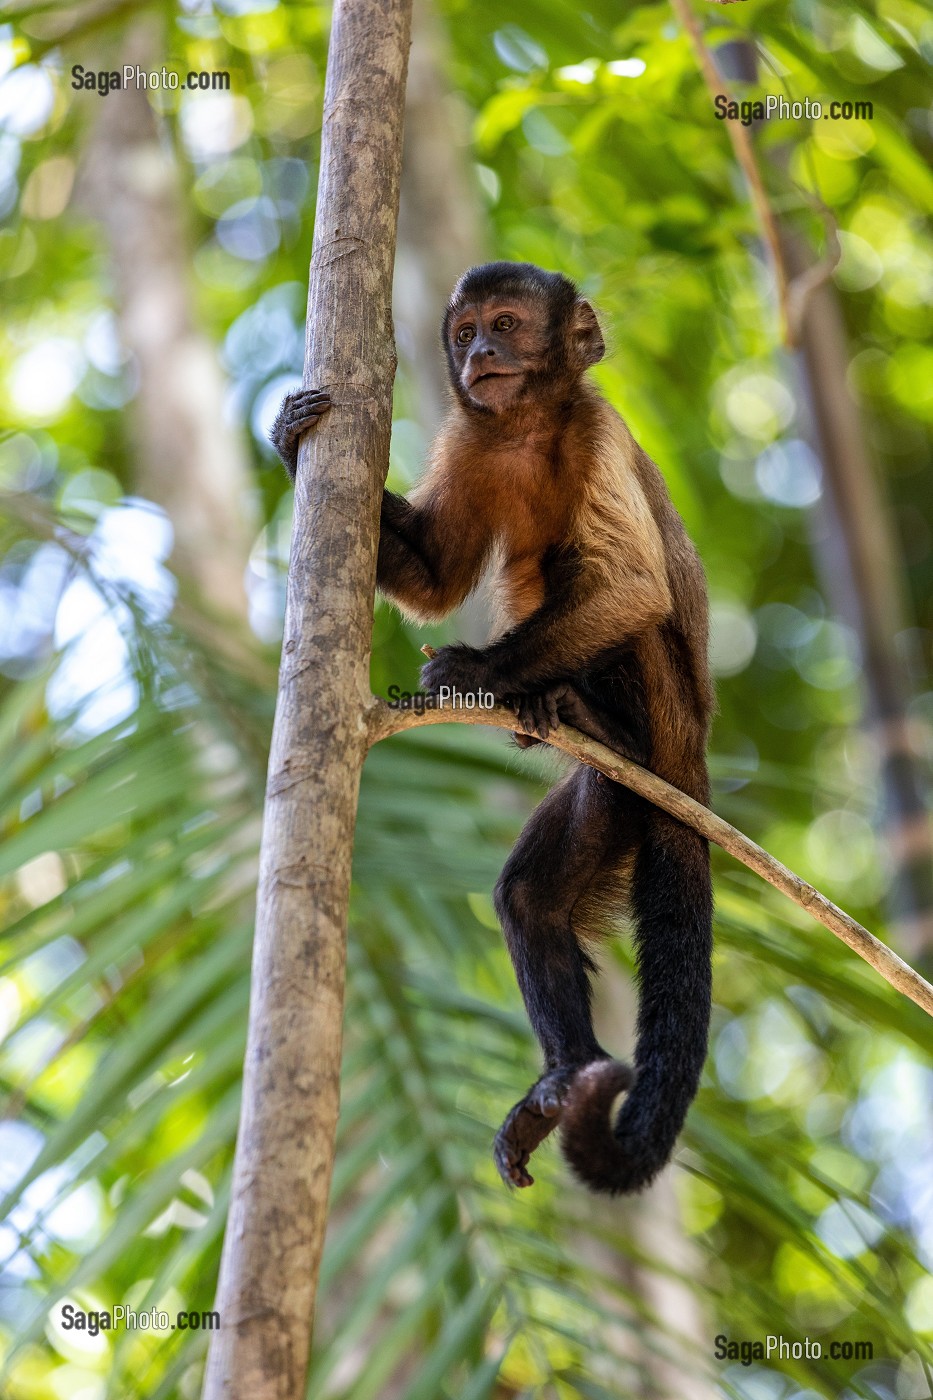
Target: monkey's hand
{"x": 528, "y": 1124}
{"x": 458, "y": 668}
{"x": 299, "y": 412}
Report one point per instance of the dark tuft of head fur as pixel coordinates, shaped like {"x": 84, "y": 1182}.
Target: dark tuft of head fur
{"x": 511, "y": 279}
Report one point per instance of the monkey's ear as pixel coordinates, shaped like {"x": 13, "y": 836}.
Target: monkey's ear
{"x": 585, "y": 333}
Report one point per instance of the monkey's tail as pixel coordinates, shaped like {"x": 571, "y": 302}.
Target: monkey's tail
{"x": 672, "y": 907}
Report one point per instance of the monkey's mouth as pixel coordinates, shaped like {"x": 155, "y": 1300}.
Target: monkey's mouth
{"x": 492, "y": 374}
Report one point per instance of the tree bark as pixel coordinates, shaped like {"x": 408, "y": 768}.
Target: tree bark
{"x": 284, "y": 1155}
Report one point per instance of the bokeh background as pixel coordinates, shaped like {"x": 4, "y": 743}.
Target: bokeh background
{"x": 153, "y": 261}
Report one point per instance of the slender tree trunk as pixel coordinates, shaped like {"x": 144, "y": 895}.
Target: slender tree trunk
{"x": 441, "y": 230}
{"x": 284, "y": 1156}
{"x": 862, "y": 576}
{"x": 661, "y": 1335}
{"x": 188, "y": 458}
{"x": 858, "y": 561}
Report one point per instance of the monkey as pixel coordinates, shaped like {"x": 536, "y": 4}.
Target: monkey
{"x": 601, "y": 608}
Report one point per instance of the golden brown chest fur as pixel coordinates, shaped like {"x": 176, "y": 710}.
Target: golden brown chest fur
{"x": 525, "y": 490}
{"x": 517, "y": 493}
{"x": 578, "y": 483}
{"x": 530, "y": 514}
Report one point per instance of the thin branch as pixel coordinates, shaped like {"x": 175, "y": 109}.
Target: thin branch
{"x": 384, "y": 721}
{"x": 792, "y": 293}
{"x": 745, "y": 155}
{"x": 803, "y": 286}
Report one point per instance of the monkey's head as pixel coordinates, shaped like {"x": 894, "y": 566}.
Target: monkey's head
{"x": 515, "y": 334}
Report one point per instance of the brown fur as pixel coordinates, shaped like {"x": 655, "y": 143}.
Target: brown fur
{"x": 586, "y": 483}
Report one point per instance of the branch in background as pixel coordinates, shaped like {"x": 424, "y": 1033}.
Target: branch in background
{"x": 792, "y": 293}
{"x": 807, "y": 283}
{"x": 48, "y": 27}
{"x": 385, "y": 721}
{"x": 860, "y": 574}
{"x": 855, "y": 549}
{"x": 745, "y": 155}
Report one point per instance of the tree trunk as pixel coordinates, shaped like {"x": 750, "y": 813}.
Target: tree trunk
{"x": 860, "y": 570}
{"x": 857, "y": 562}
{"x": 660, "y": 1336}
{"x": 188, "y": 458}
{"x": 284, "y": 1156}
{"x": 441, "y": 229}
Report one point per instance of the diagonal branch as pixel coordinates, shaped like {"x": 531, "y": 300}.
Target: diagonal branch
{"x": 384, "y": 721}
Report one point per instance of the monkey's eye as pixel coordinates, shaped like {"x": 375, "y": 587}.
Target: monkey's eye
{"x": 465, "y": 334}
{"x": 503, "y": 323}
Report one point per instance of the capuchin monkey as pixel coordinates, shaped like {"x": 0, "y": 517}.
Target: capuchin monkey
{"x": 602, "y": 624}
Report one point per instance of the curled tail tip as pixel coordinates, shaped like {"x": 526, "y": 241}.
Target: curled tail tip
{"x": 600, "y": 1154}
{"x": 587, "y": 1139}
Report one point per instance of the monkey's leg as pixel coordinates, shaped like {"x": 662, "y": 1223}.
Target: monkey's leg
{"x": 580, "y": 825}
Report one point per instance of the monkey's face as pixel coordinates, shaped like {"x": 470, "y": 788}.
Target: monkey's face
{"x": 495, "y": 346}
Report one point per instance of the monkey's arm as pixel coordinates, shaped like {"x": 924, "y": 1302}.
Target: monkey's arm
{"x": 431, "y": 548}
{"x": 431, "y": 555}
{"x": 556, "y": 642}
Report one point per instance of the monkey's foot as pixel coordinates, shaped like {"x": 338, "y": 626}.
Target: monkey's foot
{"x": 299, "y": 412}
{"x": 527, "y": 1125}
{"x": 537, "y": 714}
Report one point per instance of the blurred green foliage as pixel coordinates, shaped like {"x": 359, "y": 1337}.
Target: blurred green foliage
{"x": 130, "y": 819}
